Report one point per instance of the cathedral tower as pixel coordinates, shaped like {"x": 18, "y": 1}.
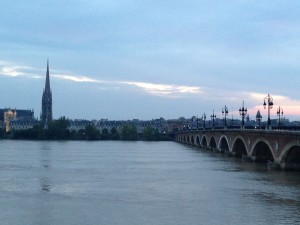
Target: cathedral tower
{"x": 46, "y": 115}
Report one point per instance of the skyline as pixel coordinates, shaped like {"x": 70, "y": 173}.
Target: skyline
{"x": 149, "y": 59}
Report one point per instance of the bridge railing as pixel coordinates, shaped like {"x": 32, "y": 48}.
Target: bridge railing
{"x": 274, "y": 130}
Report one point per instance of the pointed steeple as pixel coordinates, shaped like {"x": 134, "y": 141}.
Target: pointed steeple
{"x": 47, "y": 84}
{"x": 46, "y": 114}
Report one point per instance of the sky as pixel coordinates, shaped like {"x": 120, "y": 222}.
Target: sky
{"x": 146, "y": 59}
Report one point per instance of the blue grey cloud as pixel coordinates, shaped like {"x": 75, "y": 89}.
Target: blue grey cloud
{"x": 230, "y": 47}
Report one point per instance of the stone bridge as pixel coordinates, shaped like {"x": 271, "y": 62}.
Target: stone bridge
{"x": 278, "y": 148}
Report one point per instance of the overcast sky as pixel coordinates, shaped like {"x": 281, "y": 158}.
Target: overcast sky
{"x": 125, "y": 59}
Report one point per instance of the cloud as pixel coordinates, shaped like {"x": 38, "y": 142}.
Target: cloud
{"x": 17, "y": 71}
{"x": 261, "y": 97}
{"x": 290, "y": 106}
{"x": 76, "y": 78}
{"x": 10, "y": 70}
{"x": 166, "y": 89}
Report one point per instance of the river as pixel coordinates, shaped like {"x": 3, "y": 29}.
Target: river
{"x": 139, "y": 183}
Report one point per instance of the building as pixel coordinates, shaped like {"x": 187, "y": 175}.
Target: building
{"x": 79, "y": 124}
{"x": 46, "y": 114}
{"x": 23, "y": 124}
{"x": 7, "y": 115}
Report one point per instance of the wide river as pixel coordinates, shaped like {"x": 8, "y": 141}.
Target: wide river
{"x": 139, "y": 183}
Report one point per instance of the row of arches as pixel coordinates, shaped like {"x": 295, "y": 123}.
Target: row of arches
{"x": 239, "y": 147}
{"x": 260, "y": 151}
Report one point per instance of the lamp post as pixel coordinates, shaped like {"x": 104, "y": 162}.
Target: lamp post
{"x": 213, "y": 117}
{"x": 270, "y": 106}
{"x": 279, "y": 112}
{"x": 204, "y": 118}
{"x": 225, "y": 113}
{"x": 243, "y": 113}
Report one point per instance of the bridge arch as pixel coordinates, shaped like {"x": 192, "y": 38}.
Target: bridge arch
{"x": 223, "y": 144}
{"x": 188, "y": 139}
{"x": 204, "y": 141}
{"x": 290, "y": 156}
{"x": 178, "y": 138}
{"x": 262, "y": 151}
{"x": 239, "y": 147}
{"x": 192, "y": 140}
{"x": 212, "y": 143}
{"x": 198, "y": 141}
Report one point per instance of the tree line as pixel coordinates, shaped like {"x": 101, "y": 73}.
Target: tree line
{"x": 58, "y": 130}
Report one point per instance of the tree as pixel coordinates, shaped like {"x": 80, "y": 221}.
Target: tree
{"x": 58, "y": 129}
{"x": 92, "y": 133}
{"x": 148, "y": 134}
{"x": 156, "y": 135}
{"x": 129, "y": 132}
{"x": 81, "y": 134}
{"x": 105, "y": 134}
{"x": 114, "y": 134}
{"x": 2, "y": 133}
{"x": 25, "y": 134}
{"x": 73, "y": 135}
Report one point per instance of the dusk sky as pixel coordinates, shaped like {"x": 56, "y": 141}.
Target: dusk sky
{"x": 143, "y": 59}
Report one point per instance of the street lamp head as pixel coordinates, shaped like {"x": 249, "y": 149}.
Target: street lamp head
{"x": 279, "y": 111}
{"x": 270, "y": 106}
{"x": 213, "y": 116}
{"x": 225, "y": 110}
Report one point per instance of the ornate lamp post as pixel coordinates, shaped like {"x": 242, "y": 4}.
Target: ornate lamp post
{"x": 213, "y": 117}
{"x": 279, "y": 112}
{"x": 225, "y": 113}
{"x": 204, "y": 118}
{"x": 243, "y": 113}
{"x": 270, "y": 106}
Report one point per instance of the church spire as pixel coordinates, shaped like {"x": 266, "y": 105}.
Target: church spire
{"x": 47, "y": 84}
{"x": 46, "y": 114}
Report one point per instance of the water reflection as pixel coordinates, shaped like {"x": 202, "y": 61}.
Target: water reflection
{"x": 45, "y": 161}
{"x": 272, "y": 198}
{"x": 45, "y": 184}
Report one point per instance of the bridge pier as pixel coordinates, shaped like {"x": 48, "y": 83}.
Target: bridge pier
{"x": 247, "y": 158}
{"x": 276, "y": 165}
{"x": 229, "y": 154}
{"x": 290, "y": 166}
{"x": 216, "y": 150}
